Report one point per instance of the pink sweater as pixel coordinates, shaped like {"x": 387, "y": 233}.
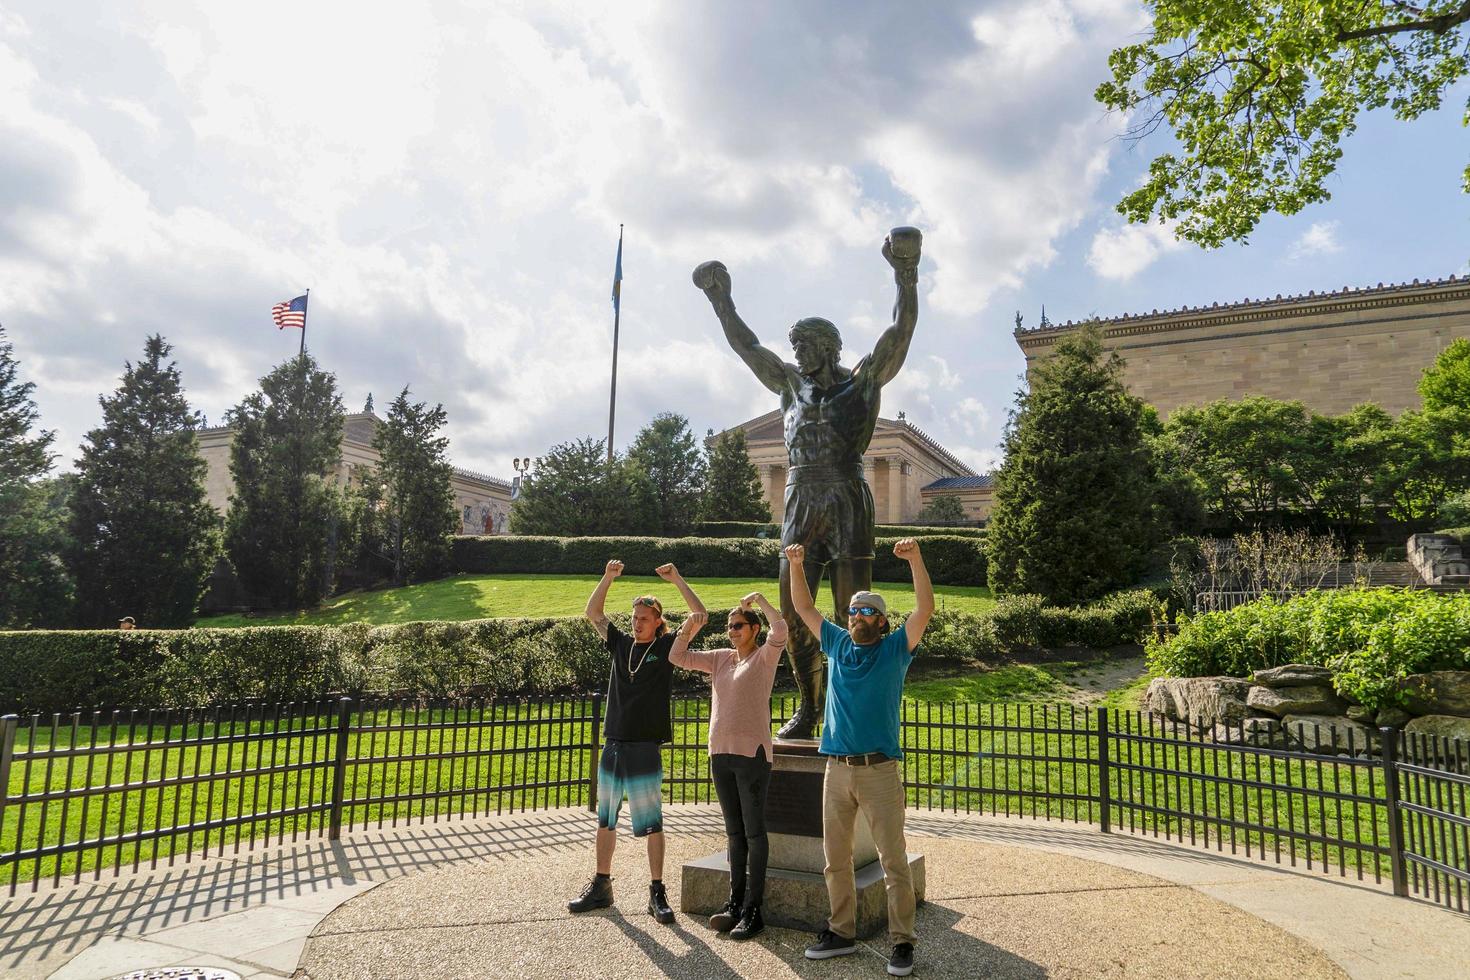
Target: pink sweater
{"x": 740, "y": 720}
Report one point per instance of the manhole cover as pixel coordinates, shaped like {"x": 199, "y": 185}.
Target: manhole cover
{"x": 180, "y": 973}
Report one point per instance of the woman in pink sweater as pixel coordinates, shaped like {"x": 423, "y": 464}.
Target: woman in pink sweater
{"x": 740, "y": 747}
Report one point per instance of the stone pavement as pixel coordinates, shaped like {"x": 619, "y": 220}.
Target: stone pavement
{"x": 1007, "y": 898}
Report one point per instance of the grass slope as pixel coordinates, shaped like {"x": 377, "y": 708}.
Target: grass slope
{"x": 489, "y": 596}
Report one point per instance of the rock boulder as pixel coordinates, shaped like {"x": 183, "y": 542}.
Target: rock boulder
{"x": 1445, "y": 726}
{"x": 1294, "y": 675}
{"x": 1439, "y": 692}
{"x": 1300, "y": 699}
{"x": 1199, "y": 701}
{"x": 1327, "y": 733}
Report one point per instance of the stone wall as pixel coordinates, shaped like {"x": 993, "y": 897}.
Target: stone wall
{"x": 1295, "y": 706}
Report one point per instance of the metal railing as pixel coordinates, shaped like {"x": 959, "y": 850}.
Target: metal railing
{"x": 86, "y": 792}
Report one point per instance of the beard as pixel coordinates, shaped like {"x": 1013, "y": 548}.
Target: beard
{"x": 865, "y": 633}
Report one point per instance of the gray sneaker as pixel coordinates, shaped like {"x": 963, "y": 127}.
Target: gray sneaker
{"x": 828, "y": 945}
{"x": 901, "y": 963}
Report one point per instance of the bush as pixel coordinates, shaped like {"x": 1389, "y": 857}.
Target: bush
{"x": 951, "y": 560}
{"x": 1370, "y": 638}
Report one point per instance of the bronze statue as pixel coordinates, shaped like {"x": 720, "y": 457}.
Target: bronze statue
{"x": 830, "y": 413}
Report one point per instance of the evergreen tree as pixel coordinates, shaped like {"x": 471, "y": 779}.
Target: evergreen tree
{"x": 732, "y": 490}
{"x": 575, "y": 491}
{"x": 943, "y": 509}
{"x": 285, "y": 511}
{"x": 418, "y": 500}
{"x": 144, "y": 537}
{"x": 668, "y": 455}
{"x": 34, "y": 587}
{"x": 1074, "y": 510}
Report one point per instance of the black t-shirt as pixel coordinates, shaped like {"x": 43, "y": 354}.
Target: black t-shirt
{"x": 638, "y": 688}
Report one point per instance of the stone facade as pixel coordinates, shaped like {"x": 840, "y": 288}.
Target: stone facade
{"x": 902, "y": 464}
{"x": 482, "y": 502}
{"x": 1330, "y": 350}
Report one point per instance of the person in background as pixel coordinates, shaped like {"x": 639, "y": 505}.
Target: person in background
{"x": 740, "y": 749}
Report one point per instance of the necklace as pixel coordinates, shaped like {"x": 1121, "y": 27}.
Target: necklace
{"x": 633, "y": 671}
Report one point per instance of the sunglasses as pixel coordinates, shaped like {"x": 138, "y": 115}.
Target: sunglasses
{"x": 732, "y": 627}
{"x": 862, "y": 610}
{"x": 650, "y": 603}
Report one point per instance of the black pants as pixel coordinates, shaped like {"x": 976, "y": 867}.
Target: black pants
{"x": 741, "y": 782}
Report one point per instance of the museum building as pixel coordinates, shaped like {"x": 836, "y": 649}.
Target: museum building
{"x": 1330, "y": 351}
{"x": 482, "y": 502}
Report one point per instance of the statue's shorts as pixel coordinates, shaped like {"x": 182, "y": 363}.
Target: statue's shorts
{"x": 831, "y": 515}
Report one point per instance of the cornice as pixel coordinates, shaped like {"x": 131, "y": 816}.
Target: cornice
{"x": 1346, "y": 300}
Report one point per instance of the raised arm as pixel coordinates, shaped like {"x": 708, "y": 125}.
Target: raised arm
{"x": 901, "y": 249}
{"x": 671, "y": 575}
{"x": 681, "y": 656}
{"x": 714, "y": 279}
{"x": 801, "y": 593}
{"x": 918, "y": 621}
{"x": 593, "y": 613}
{"x": 776, "y": 636}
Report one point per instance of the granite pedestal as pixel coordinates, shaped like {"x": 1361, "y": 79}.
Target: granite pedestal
{"x": 796, "y": 891}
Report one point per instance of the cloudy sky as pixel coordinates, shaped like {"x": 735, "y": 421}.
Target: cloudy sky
{"x": 448, "y": 180}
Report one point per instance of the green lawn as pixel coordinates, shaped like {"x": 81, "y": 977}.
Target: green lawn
{"x": 490, "y": 596}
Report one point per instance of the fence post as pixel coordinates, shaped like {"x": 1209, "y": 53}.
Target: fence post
{"x": 8, "y": 725}
{"x": 339, "y": 767}
{"x": 596, "y": 752}
{"x": 1390, "y": 738}
{"x": 1104, "y": 791}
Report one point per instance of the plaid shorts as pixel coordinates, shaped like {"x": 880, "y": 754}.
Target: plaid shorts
{"x": 634, "y": 770}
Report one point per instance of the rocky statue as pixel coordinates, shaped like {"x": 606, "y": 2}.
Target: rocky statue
{"x": 829, "y": 414}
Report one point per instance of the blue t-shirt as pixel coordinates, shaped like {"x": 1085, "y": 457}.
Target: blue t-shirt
{"x": 864, "y": 686}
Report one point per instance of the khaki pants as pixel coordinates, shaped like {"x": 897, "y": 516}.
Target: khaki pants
{"x": 878, "y": 791}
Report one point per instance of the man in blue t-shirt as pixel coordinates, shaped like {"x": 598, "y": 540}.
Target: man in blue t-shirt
{"x": 866, "y": 666}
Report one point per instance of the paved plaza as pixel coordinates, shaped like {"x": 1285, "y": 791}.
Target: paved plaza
{"x": 1006, "y": 899}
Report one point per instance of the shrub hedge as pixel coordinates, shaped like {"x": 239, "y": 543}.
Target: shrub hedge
{"x": 1370, "y": 638}
{"x": 45, "y": 671}
{"x": 951, "y": 560}
{"x": 756, "y": 529}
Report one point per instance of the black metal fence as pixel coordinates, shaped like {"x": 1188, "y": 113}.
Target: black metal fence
{"x": 90, "y": 791}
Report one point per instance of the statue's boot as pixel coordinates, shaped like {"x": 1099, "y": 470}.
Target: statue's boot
{"x": 809, "y": 686}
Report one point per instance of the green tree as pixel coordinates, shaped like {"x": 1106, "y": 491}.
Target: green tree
{"x": 1445, "y": 384}
{"x": 943, "y": 509}
{"x": 415, "y": 472}
{"x": 732, "y": 489}
{"x": 285, "y": 511}
{"x": 34, "y": 587}
{"x": 576, "y": 491}
{"x": 669, "y": 457}
{"x": 1074, "y": 513}
{"x": 1427, "y": 461}
{"x": 1351, "y": 451}
{"x": 144, "y": 537}
{"x": 1260, "y": 95}
{"x": 1251, "y": 459}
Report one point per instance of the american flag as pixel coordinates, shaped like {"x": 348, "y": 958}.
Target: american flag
{"x": 290, "y": 313}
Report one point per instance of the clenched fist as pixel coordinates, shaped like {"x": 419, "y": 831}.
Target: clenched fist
{"x": 907, "y": 549}
{"x": 751, "y": 600}
{"x": 902, "y": 246}
{"x": 713, "y": 278}
{"x": 795, "y": 553}
{"x": 667, "y": 572}
{"x": 692, "y": 624}
{"x": 614, "y": 569}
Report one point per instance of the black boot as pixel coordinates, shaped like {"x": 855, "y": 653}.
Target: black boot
{"x": 658, "y": 903}
{"x": 724, "y": 920}
{"x": 750, "y": 924}
{"x": 803, "y": 724}
{"x": 597, "y": 895}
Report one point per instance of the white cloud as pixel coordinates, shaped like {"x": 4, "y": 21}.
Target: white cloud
{"x": 1123, "y": 252}
{"x": 1319, "y": 239}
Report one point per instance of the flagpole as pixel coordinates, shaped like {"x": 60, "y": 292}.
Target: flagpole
{"x": 612, "y": 401}
{"x": 302, "y": 351}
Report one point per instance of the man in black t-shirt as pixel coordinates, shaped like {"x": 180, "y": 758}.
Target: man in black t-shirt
{"x": 637, "y": 723}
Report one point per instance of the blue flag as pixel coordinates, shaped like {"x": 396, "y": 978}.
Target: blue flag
{"x": 617, "y": 290}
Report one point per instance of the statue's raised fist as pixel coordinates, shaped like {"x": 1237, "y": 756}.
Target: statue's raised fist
{"x": 902, "y": 247}
{"x": 712, "y": 276}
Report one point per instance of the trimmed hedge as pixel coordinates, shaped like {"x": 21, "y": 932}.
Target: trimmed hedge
{"x": 1370, "y": 638}
{"x": 46, "y": 671}
{"x": 756, "y": 529}
{"x": 951, "y": 560}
